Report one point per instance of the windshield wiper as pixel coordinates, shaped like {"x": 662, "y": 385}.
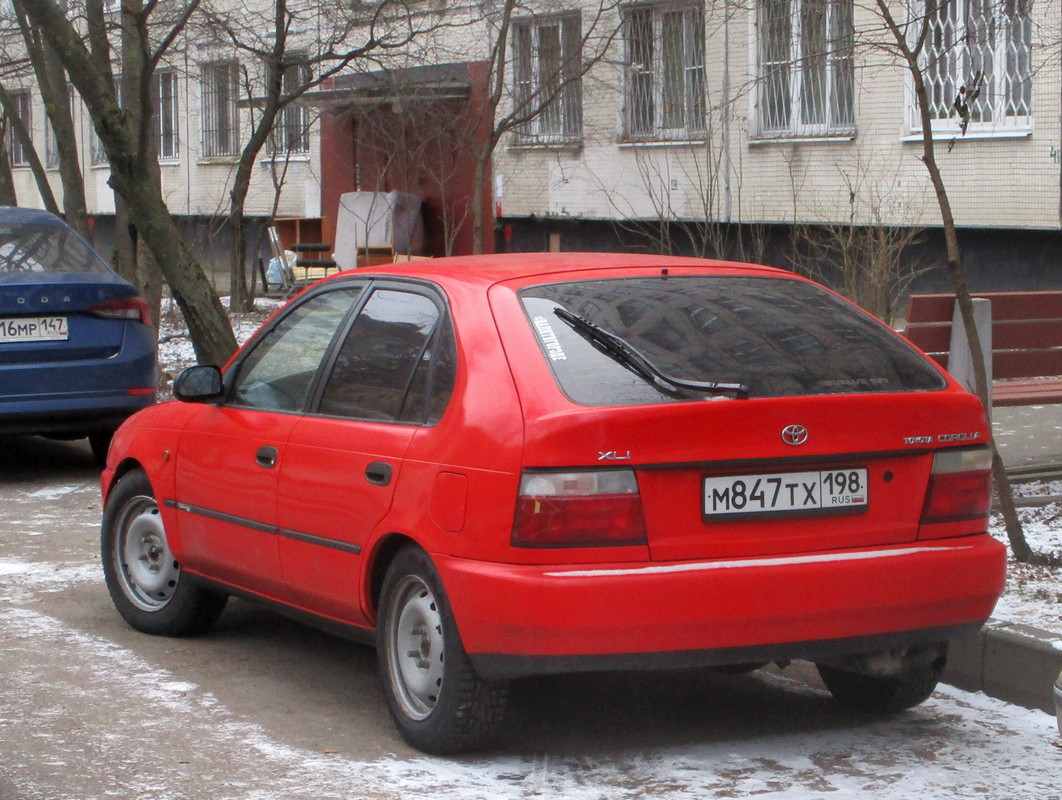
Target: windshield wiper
{"x": 624, "y": 354}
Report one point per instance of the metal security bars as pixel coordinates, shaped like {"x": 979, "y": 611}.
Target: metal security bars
{"x": 665, "y": 83}
{"x": 976, "y": 64}
{"x": 806, "y": 81}
{"x": 164, "y": 122}
{"x": 546, "y": 54}
{"x": 15, "y": 146}
{"x": 219, "y": 86}
{"x": 291, "y": 131}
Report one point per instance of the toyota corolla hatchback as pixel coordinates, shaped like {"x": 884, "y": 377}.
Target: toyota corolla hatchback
{"x": 77, "y": 346}
{"x": 504, "y": 466}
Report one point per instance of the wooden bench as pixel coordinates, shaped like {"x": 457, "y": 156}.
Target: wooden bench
{"x": 1026, "y": 341}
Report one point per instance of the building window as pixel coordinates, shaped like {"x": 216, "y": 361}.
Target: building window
{"x": 976, "y": 65}
{"x": 220, "y": 89}
{"x": 291, "y": 131}
{"x": 164, "y": 98}
{"x": 15, "y": 146}
{"x": 806, "y": 85}
{"x": 547, "y": 53}
{"x": 665, "y": 88}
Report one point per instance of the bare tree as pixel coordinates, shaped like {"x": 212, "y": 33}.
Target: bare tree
{"x": 512, "y": 101}
{"x": 148, "y": 31}
{"x": 868, "y": 256}
{"x": 22, "y": 134}
{"x": 686, "y": 198}
{"x": 909, "y": 38}
{"x": 280, "y": 64}
{"x": 52, "y": 82}
{"x": 7, "y": 180}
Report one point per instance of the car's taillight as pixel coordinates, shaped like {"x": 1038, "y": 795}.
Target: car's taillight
{"x": 960, "y": 486}
{"x": 583, "y": 508}
{"x": 135, "y": 308}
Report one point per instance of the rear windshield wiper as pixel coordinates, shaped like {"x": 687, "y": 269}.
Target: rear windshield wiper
{"x": 624, "y": 354}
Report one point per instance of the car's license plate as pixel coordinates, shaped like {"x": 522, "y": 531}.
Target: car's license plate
{"x": 770, "y": 493}
{"x": 33, "y": 329}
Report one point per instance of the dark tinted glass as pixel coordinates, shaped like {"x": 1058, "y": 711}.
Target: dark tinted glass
{"x": 377, "y": 363}
{"x": 433, "y": 379}
{"x": 780, "y": 337}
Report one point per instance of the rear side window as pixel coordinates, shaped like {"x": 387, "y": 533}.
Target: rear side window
{"x": 396, "y": 365}
{"x": 779, "y": 337}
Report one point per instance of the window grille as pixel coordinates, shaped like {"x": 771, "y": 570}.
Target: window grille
{"x": 806, "y": 83}
{"x": 665, "y": 80}
{"x": 220, "y": 120}
{"x": 18, "y": 151}
{"x": 976, "y": 64}
{"x": 291, "y": 131}
{"x": 547, "y": 56}
{"x": 165, "y": 118}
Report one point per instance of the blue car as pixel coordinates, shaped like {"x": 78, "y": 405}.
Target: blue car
{"x": 78, "y": 349}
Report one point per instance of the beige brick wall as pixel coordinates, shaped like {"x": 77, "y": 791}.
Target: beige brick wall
{"x": 877, "y": 175}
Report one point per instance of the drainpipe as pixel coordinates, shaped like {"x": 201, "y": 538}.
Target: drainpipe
{"x": 727, "y": 200}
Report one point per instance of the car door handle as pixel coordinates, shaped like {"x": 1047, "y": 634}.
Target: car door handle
{"x": 378, "y": 473}
{"x": 266, "y": 457}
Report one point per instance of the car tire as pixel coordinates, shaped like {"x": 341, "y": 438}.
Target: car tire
{"x": 880, "y": 695}
{"x": 100, "y": 443}
{"x": 144, "y": 579}
{"x": 437, "y": 700}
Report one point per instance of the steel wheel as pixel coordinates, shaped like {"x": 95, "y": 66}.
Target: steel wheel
{"x": 437, "y": 700}
{"x": 144, "y": 565}
{"x": 143, "y": 576}
{"x": 415, "y": 653}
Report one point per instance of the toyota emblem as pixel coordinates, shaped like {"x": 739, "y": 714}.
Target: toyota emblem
{"x": 794, "y": 434}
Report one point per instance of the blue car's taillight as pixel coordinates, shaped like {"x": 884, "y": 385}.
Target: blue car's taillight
{"x": 134, "y": 308}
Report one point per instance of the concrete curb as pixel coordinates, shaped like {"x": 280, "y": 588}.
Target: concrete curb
{"x": 1011, "y": 662}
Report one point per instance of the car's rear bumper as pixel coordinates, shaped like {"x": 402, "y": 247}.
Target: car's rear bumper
{"x": 78, "y": 414}
{"x": 518, "y": 620}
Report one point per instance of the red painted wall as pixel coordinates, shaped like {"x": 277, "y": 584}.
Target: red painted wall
{"x": 422, "y": 146}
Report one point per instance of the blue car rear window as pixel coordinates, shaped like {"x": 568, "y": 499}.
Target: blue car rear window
{"x": 30, "y": 248}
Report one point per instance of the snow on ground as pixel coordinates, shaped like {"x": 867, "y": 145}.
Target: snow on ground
{"x": 956, "y": 746}
{"x": 1033, "y": 595}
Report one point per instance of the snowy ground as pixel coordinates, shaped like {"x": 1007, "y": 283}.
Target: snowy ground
{"x": 1034, "y": 594}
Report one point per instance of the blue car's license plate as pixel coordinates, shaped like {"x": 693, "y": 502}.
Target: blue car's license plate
{"x": 33, "y": 329}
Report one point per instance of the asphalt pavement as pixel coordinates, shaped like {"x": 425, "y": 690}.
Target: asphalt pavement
{"x": 1014, "y": 662}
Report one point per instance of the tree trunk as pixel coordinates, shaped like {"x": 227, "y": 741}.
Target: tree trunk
{"x": 24, "y": 136}
{"x": 1015, "y": 534}
{"x": 208, "y": 326}
{"x": 7, "y": 180}
{"x": 52, "y": 80}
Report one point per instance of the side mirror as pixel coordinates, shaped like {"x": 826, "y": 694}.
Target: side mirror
{"x": 199, "y": 384}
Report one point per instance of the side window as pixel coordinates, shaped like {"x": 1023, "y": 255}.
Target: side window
{"x": 276, "y": 375}
{"x": 385, "y": 369}
{"x": 433, "y": 380}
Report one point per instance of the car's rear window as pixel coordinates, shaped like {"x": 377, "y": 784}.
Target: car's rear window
{"x": 27, "y": 248}
{"x": 777, "y": 336}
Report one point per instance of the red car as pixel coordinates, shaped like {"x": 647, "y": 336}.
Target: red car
{"x": 511, "y": 465}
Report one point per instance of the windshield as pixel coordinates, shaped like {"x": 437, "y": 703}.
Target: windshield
{"x": 777, "y": 336}
{"x": 45, "y": 248}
